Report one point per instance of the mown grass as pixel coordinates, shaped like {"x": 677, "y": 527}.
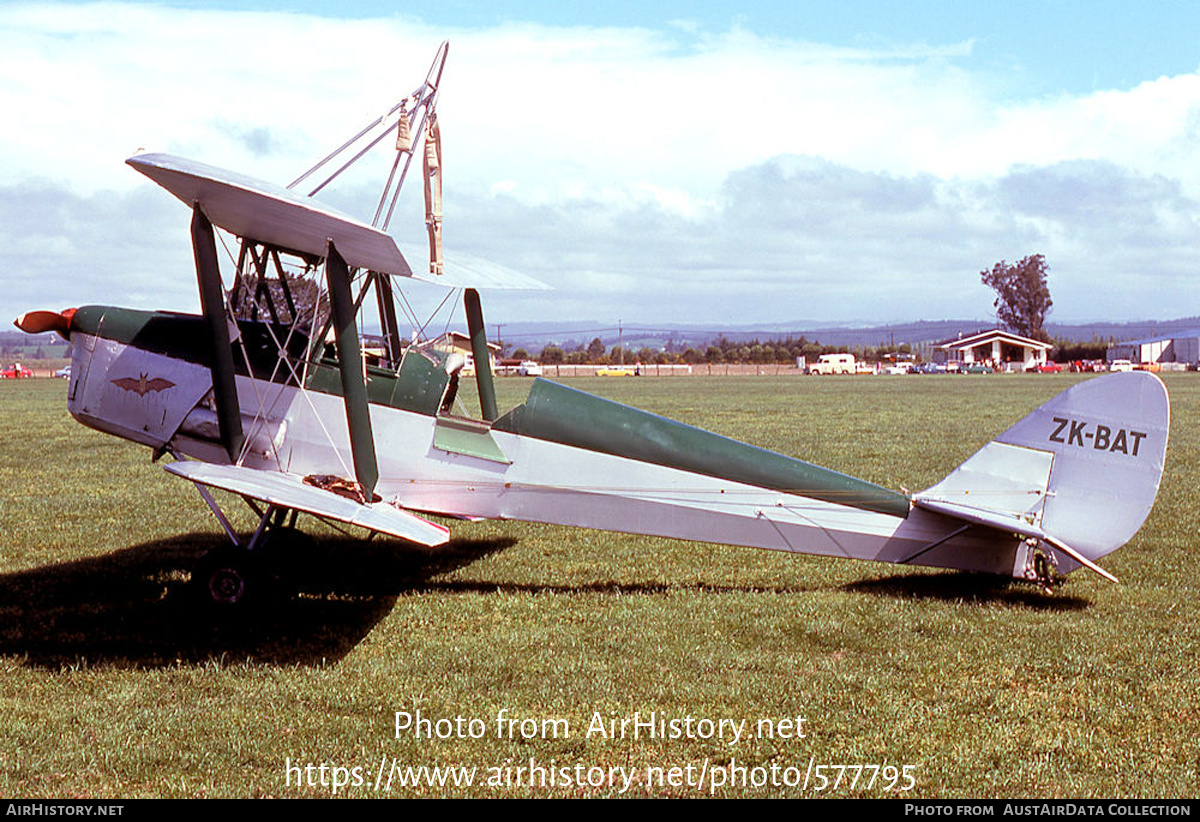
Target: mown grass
{"x": 115, "y": 682}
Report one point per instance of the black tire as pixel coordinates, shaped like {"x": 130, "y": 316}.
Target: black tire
{"x": 228, "y": 577}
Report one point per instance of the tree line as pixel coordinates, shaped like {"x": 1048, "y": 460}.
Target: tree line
{"x": 783, "y": 350}
{"x": 722, "y": 350}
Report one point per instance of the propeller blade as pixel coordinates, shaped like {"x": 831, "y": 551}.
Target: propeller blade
{"x": 39, "y": 322}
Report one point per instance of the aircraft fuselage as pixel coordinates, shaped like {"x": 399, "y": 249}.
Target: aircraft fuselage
{"x": 564, "y": 457}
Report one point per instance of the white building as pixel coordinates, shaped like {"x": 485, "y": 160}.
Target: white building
{"x": 1000, "y": 349}
{"x": 461, "y": 343}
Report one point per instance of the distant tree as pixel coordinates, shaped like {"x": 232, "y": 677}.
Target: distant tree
{"x": 595, "y": 350}
{"x": 552, "y": 355}
{"x": 1022, "y": 296}
{"x": 1068, "y": 350}
{"x": 520, "y": 354}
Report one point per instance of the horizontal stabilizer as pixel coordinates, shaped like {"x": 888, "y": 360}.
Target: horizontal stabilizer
{"x": 1008, "y": 522}
{"x": 289, "y": 491}
{"x": 1000, "y": 520}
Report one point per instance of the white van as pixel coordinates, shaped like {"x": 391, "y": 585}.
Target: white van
{"x": 833, "y": 364}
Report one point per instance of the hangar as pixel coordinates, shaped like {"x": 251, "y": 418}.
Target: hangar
{"x": 1179, "y": 348}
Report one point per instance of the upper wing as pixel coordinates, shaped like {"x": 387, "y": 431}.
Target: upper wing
{"x": 468, "y": 271}
{"x": 278, "y": 216}
{"x": 272, "y": 214}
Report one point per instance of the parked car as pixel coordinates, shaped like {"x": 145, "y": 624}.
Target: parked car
{"x": 1048, "y": 368}
{"x": 1121, "y": 365}
{"x": 530, "y": 368}
{"x": 64, "y": 372}
{"x": 15, "y": 371}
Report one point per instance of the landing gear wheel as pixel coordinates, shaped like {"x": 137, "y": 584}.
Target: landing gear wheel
{"x": 227, "y": 585}
{"x": 227, "y": 577}
{"x": 1041, "y": 568}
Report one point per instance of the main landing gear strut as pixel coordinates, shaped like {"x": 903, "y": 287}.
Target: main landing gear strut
{"x": 246, "y": 569}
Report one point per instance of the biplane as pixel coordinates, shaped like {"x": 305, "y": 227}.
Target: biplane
{"x": 268, "y": 394}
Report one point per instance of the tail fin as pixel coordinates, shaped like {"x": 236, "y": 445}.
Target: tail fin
{"x": 1080, "y": 473}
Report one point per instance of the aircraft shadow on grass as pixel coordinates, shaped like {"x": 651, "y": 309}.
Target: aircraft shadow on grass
{"x": 137, "y": 605}
{"x": 950, "y": 586}
{"x": 966, "y": 587}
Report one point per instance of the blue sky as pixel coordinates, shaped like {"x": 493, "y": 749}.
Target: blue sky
{"x": 655, "y": 162}
{"x": 1052, "y": 47}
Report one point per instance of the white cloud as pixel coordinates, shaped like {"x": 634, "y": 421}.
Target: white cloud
{"x": 701, "y": 169}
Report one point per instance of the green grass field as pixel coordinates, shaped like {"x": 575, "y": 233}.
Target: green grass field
{"x": 115, "y": 682}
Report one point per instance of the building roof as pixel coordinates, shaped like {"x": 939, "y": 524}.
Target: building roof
{"x": 460, "y": 339}
{"x": 1163, "y": 338}
{"x": 989, "y": 335}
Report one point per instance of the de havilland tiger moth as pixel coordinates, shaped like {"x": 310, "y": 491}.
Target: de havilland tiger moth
{"x": 266, "y": 394}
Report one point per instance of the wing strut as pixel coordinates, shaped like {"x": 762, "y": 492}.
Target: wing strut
{"x": 386, "y": 300}
{"x": 354, "y": 387}
{"x": 212, "y": 302}
{"x": 483, "y": 360}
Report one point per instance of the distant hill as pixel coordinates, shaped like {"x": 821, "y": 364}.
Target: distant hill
{"x": 534, "y": 336}
{"x": 19, "y": 345}
{"x": 1124, "y": 331}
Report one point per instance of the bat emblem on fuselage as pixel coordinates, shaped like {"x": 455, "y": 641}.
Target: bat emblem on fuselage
{"x": 142, "y": 385}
